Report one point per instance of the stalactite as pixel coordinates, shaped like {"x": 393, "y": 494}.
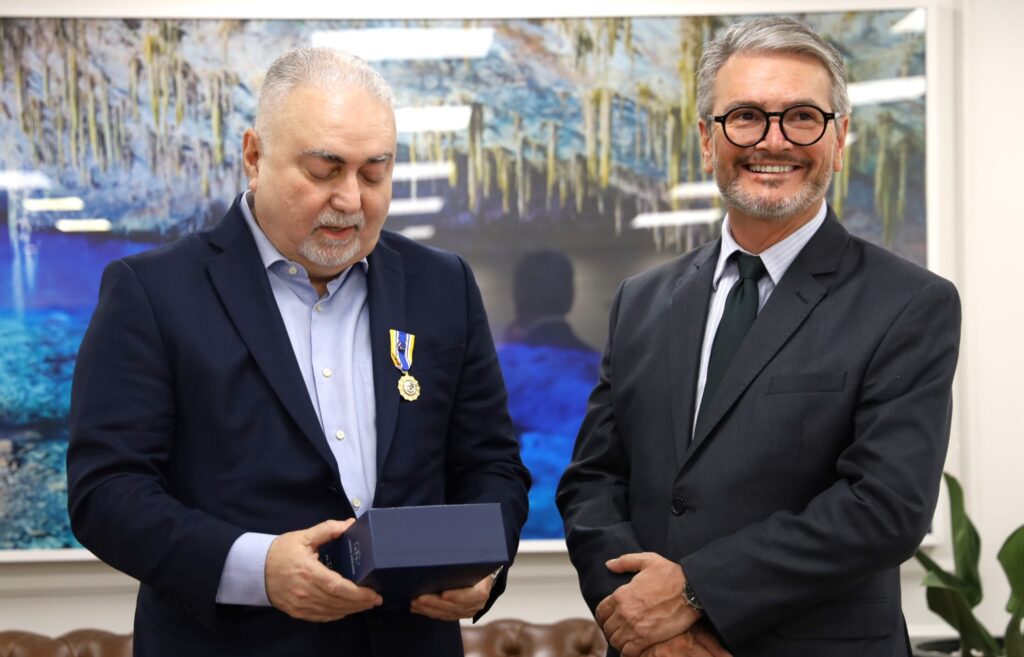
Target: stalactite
{"x": 105, "y": 128}
{"x": 474, "y": 157}
{"x": 3, "y": 52}
{"x": 883, "y": 177}
{"x": 94, "y": 134}
{"x": 841, "y": 183}
{"x": 489, "y": 174}
{"x": 580, "y": 164}
{"x": 150, "y": 49}
{"x": 552, "y": 162}
{"x": 502, "y": 168}
{"x": 58, "y": 120}
{"x": 76, "y": 121}
{"x": 563, "y": 184}
{"x": 35, "y": 127}
{"x": 520, "y": 142}
{"x": 216, "y": 120}
{"x": 900, "y": 211}
{"x": 180, "y": 92}
{"x": 691, "y": 43}
{"x": 605, "y": 127}
{"x": 164, "y": 76}
{"x": 674, "y": 155}
{"x": 590, "y": 132}
{"x": 450, "y": 158}
{"x": 115, "y": 138}
{"x": 133, "y": 86}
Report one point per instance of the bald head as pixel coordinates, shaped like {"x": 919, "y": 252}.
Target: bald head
{"x": 327, "y": 69}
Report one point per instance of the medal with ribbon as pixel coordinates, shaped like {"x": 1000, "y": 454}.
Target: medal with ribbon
{"x": 402, "y": 344}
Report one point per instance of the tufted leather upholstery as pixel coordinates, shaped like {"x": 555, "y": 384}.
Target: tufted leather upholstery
{"x": 574, "y": 637}
{"x": 78, "y": 643}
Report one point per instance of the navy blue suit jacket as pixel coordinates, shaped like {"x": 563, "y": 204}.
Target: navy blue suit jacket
{"x": 816, "y": 470}
{"x": 191, "y": 424}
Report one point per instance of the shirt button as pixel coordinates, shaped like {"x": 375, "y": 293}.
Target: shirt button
{"x": 678, "y": 506}
{"x": 293, "y": 270}
{"x": 339, "y": 434}
{"x": 356, "y": 503}
{"x": 318, "y": 307}
{"x": 327, "y": 372}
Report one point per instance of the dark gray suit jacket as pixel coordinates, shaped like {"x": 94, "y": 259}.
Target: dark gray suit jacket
{"x": 816, "y": 471}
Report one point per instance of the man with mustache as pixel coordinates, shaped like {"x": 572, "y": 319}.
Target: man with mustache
{"x": 765, "y": 442}
{"x": 236, "y": 403}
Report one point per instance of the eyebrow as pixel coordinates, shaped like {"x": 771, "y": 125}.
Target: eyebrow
{"x": 328, "y": 156}
{"x": 753, "y": 103}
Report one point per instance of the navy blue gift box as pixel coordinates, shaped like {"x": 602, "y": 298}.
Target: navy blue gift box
{"x": 403, "y": 552}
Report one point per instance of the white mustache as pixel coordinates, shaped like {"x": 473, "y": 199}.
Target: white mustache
{"x": 338, "y": 220}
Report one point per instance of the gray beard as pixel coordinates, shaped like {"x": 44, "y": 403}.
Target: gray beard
{"x": 776, "y": 209}
{"x": 325, "y": 252}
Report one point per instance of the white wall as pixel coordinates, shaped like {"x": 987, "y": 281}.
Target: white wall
{"x": 973, "y": 191}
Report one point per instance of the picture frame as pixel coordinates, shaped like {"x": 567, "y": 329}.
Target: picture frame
{"x": 938, "y": 223}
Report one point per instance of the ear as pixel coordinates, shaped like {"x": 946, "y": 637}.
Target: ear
{"x": 252, "y": 150}
{"x": 842, "y": 129}
{"x": 705, "y": 146}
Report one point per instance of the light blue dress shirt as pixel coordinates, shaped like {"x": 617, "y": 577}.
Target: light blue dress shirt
{"x": 777, "y": 258}
{"x": 330, "y": 337}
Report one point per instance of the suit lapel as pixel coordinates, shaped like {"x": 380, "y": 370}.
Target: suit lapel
{"x": 791, "y": 302}
{"x": 386, "y": 292}
{"x": 689, "y": 301}
{"x": 240, "y": 279}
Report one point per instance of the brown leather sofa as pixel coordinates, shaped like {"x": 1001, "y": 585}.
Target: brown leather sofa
{"x": 575, "y": 637}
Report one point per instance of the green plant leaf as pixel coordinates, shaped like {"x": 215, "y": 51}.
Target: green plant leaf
{"x": 936, "y": 575}
{"x": 966, "y": 543}
{"x": 1011, "y": 556}
{"x": 952, "y": 607}
{"x": 1013, "y": 642}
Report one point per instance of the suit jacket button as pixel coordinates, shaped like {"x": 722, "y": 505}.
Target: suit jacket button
{"x": 678, "y": 506}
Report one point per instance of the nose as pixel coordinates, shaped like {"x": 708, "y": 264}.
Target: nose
{"x": 774, "y": 140}
{"x": 345, "y": 195}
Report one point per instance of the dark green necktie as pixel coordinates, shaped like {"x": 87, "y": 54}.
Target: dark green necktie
{"x": 739, "y": 313}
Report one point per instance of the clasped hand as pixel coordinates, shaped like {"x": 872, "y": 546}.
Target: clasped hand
{"x": 648, "y": 617}
{"x": 302, "y": 587}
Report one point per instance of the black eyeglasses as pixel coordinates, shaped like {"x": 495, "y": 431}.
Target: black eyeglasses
{"x": 802, "y": 125}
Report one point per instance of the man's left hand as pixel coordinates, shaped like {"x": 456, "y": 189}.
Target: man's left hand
{"x": 454, "y": 604}
{"x": 648, "y": 610}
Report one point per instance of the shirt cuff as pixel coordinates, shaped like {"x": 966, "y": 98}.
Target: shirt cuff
{"x": 242, "y": 582}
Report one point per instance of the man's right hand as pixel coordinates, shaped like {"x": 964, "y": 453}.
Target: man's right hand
{"x": 302, "y": 587}
{"x": 695, "y": 642}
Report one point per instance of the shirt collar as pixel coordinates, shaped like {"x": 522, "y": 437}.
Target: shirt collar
{"x": 268, "y": 252}
{"x": 779, "y": 256}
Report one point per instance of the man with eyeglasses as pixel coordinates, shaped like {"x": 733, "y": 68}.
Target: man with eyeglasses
{"x": 765, "y": 443}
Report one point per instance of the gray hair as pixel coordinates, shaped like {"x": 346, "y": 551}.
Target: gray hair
{"x": 324, "y": 68}
{"x": 769, "y": 35}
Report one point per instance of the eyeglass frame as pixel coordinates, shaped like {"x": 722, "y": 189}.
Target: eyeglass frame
{"x": 829, "y": 116}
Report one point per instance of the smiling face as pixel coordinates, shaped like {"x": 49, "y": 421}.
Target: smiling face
{"x": 321, "y": 177}
{"x": 774, "y": 180}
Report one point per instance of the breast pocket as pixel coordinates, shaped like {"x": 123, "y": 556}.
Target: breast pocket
{"x": 786, "y": 384}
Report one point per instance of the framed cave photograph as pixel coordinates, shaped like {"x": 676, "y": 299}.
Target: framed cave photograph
{"x": 557, "y": 155}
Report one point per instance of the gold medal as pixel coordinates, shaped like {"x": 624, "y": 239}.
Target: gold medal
{"x": 402, "y": 345}
{"x": 408, "y": 387}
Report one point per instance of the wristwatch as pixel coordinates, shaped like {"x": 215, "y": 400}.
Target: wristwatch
{"x": 690, "y": 596}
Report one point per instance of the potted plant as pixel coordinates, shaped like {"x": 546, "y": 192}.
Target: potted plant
{"x": 954, "y": 595}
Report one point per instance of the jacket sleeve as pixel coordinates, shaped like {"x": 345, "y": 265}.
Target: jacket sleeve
{"x": 593, "y": 494}
{"x": 482, "y": 453}
{"x": 880, "y": 505}
{"x": 122, "y": 424}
